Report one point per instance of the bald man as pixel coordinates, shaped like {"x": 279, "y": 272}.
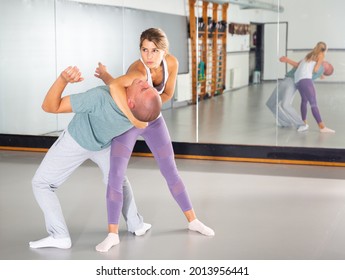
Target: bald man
{"x": 96, "y": 122}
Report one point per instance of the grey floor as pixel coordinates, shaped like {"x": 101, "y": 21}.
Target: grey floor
{"x": 258, "y": 211}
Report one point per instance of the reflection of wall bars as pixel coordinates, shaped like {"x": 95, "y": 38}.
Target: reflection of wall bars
{"x": 252, "y": 4}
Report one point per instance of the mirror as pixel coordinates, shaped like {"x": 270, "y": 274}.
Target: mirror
{"x": 36, "y": 48}
{"x": 240, "y": 114}
{"x": 38, "y": 43}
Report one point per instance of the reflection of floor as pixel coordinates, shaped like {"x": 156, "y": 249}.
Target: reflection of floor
{"x": 55, "y": 133}
{"x": 258, "y": 211}
{"x": 241, "y": 117}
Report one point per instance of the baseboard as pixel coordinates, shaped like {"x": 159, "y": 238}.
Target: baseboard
{"x": 209, "y": 151}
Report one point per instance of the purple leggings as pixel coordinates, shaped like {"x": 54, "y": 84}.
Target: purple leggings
{"x": 307, "y": 90}
{"x": 157, "y": 138}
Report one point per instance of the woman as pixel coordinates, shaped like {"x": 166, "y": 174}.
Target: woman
{"x": 304, "y": 83}
{"x": 159, "y": 69}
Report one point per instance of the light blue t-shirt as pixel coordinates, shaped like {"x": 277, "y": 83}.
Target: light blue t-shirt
{"x": 97, "y": 119}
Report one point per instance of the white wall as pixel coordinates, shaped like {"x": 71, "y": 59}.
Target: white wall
{"x": 177, "y": 7}
{"x": 323, "y": 21}
{"x": 237, "y": 70}
{"x": 308, "y": 23}
{"x": 238, "y": 46}
{"x": 313, "y": 21}
{"x": 238, "y": 15}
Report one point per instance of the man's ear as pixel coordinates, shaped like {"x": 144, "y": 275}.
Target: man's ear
{"x": 130, "y": 103}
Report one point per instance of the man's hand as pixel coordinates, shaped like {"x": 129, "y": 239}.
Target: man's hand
{"x": 71, "y": 75}
{"x": 289, "y": 61}
{"x": 53, "y": 102}
{"x": 283, "y": 59}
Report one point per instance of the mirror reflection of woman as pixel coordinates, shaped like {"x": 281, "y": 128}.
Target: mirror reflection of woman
{"x": 280, "y": 101}
{"x": 304, "y": 83}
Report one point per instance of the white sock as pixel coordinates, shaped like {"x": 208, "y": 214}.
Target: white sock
{"x": 61, "y": 243}
{"x": 303, "y": 128}
{"x": 196, "y": 225}
{"x": 111, "y": 240}
{"x": 143, "y": 229}
{"x": 327, "y": 130}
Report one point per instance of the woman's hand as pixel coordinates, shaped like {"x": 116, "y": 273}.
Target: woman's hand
{"x": 139, "y": 124}
{"x": 102, "y": 73}
{"x": 100, "y": 70}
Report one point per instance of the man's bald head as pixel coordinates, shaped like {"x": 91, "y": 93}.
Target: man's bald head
{"x": 144, "y": 101}
{"x": 328, "y": 68}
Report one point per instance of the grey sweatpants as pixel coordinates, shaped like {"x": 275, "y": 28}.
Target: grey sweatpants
{"x": 65, "y": 156}
{"x": 280, "y": 102}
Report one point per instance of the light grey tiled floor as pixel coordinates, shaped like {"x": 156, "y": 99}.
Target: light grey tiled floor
{"x": 258, "y": 211}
